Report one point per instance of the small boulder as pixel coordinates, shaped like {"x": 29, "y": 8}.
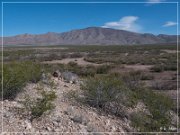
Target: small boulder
{"x": 56, "y": 73}
{"x": 69, "y": 77}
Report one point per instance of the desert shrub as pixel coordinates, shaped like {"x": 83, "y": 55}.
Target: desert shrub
{"x": 32, "y": 71}
{"x": 48, "y": 57}
{"x": 53, "y": 56}
{"x": 112, "y": 93}
{"x": 164, "y": 67}
{"x": 63, "y": 56}
{"x": 108, "y": 93}
{"x": 44, "y": 104}
{"x": 158, "y": 106}
{"x": 164, "y": 85}
{"x": 91, "y": 70}
{"x": 41, "y": 105}
{"x": 95, "y": 60}
{"x": 16, "y": 75}
{"x": 72, "y": 64}
{"x": 157, "y": 68}
{"x": 103, "y": 69}
{"x": 145, "y": 76}
{"x": 82, "y": 71}
{"x": 76, "y": 55}
{"x": 139, "y": 120}
{"x": 132, "y": 79}
{"x": 13, "y": 81}
{"x": 170, "y": 67}
{"x": 87, "y": 71}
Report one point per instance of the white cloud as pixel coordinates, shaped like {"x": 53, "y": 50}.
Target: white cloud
{"x": 156, "y": 1}
{"x": 125, "y": 23}
{"x": 169, "y": 23}
{"x": 152, "y": 2}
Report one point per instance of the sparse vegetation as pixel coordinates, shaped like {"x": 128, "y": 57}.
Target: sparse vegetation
{"x": 157, "y": 68}
{"x": 16, "y": 75}
{"x": 164, "y": 67}
{"x": 111, "y": 94}
{"x": 110, "y": 87}
{"x": 41, "y": 105}
{"x": 107, "y": 92}
{"x": 158, "y": 105}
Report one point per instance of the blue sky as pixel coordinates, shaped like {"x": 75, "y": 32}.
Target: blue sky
{"x": 41, "y": 18}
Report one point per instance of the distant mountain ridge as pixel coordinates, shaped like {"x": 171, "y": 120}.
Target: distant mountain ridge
{"x": 90, "y": 36}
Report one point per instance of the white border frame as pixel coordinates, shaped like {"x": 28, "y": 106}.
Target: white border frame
{"x": 98, "y": 2}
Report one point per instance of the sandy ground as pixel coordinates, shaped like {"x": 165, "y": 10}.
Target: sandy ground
{"x": 138, "y": 67}
{"x": 170, "y": 51}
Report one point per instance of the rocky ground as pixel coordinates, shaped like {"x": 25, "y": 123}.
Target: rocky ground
{"x": 67, "y": 116}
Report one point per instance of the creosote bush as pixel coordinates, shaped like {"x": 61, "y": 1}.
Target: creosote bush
{"x": 158, "y": 105}
{"x": 111, "y": 93}
{"x": 16, "y": 75}
{"x": 164, "y": 67}
{"x": 41, "y": 105}
{"x": 132, "y": 79}
{"x": 157, "y": 68}
{"x": 83, "y": 71}
{"x": 108, "y": 93}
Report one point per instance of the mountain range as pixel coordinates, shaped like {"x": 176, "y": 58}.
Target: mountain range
{"x": 90, "y": 36}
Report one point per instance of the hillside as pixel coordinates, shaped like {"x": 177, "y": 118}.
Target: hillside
{"x": 90, "y": 36}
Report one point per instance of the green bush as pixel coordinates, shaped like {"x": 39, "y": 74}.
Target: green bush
{"x": 107, "y": 92}
{"x": 140, "y": 121}
{"x": 41, "y": 105}
{"x": 111, "y": 93}
{"x": 164, "y": 67}
{"x": 16, "y": 75}
{"x": 170, "y": 67}
{"x": 72, "y": 64}
{"x": 132, "y": 79}
{"x": 87, "y": 71}
{"x": 157, "y": 68}
{"x": 158, "y": 106}
{"x": 76, "y": 55}
{"x": 103, "y": 69}
{"x": 145, "y": 76}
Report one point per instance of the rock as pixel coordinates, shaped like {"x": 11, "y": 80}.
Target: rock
{"x": 69, "y": 111}
{"x": 56, "y": 124}
{"x": 91, "y": 128}
{"x": 57, "y": 73}
{"x": 108, "y": 123}
{"x": 65, "y": 86}
{"x": 113, "y": 128}
{"x": 7, "y": 114}
{"x": 28, "y": 124}
{"x": 48, "y": 128}
{"x": 58, "y": 119}
{"x": 77, "y": 118}
{"x": 69, "y": 77}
